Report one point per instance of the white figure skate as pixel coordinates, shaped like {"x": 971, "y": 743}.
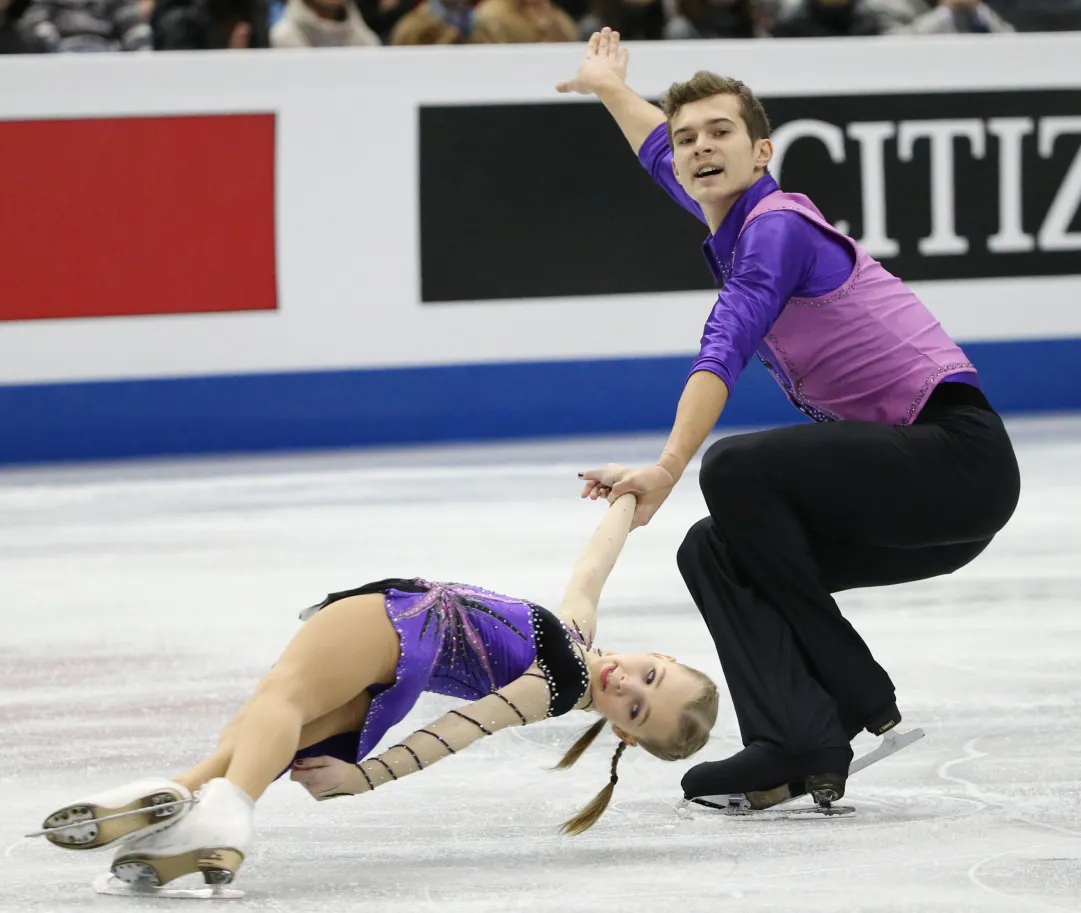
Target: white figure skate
{"x": 212, "y": 840}
{"x": 138, "y": 809}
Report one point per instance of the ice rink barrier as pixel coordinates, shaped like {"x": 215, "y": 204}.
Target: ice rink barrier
{"x": 225, "y": 252}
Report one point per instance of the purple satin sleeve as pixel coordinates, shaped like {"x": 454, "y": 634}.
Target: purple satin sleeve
{"x": 656, "y": 157}
{"x": 779, "y": 256}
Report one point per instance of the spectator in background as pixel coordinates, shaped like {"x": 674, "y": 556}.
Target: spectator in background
{"x": 13, "y": 39}
{"x": 521, "y": 22}
{"x": 1039, "y": 15}
{"x": 635, "y": 20}
{"x": 928, "y": 17}
{"x": 828, "y": 19}
{"x": 88, "y": 25}
{"x": 490, "y": 22}
{"x": 322, "y": 24}
{"x": 206, "y": 25}
{"x": 435, "y": 22}
{"x": 719, "y": 19}
{"x": 382, "y": 15}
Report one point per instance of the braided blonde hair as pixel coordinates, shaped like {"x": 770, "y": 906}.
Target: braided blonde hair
{"x": 691, "y": 735}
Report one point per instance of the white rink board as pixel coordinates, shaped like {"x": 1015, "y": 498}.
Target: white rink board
{"x": 346, "y": 195}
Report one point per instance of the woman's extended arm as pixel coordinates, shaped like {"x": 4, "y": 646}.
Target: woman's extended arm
{"x": 525, "y": 700}
{"x": 579, "y": 606}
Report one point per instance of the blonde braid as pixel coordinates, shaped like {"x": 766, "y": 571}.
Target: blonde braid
{"x": 589, "y": 815}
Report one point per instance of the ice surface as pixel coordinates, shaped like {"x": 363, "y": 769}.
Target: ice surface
{"x": 141, "y": 602}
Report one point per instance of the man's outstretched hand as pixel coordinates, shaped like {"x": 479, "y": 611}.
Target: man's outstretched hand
{"x": 604, "y": 63}
{"x": 650, "y": 484}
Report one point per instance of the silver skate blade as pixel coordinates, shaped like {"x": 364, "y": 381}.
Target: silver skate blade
{"x": 740, "y": 808}
{"x": 892, "y": 742}
{"x": 785, "y": 812}
{"x": 86, "y": 821}
{"x": 108, "y": 883}
{"x": 737, "y": 804}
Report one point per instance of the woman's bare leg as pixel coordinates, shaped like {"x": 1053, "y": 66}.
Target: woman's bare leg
{"x": 216, "y": 764}
{"x": 318, "y": 688}
{"x": 210, "y": 768}
{"x": 347, "y": 718}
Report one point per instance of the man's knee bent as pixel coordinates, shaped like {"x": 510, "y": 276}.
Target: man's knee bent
{"x": 727, "y": 463}
{"x": 690, "y": 549}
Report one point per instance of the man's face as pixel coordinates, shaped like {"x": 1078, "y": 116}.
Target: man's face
{"x": 713, "y": 156}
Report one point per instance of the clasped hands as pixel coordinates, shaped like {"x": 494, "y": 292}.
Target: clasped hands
{"x": 650, "y": 484}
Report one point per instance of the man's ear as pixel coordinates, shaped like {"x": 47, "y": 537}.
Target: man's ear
{"x": 763, "y": 153}
{"x": 675, "y": 173}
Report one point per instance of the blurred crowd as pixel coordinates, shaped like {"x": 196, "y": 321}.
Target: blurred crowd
{"x": 58, "y": 26}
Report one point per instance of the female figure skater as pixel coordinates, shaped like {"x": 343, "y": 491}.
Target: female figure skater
{"x": 356, "y": 668}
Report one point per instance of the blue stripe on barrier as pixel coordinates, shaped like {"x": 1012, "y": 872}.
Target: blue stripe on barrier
{"x": 331, "y": 409}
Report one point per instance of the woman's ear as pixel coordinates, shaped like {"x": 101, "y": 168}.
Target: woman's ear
{"x": 625, "y": 736}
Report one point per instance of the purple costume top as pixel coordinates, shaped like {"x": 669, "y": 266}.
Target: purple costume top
{"x": 844, "y": 338}
{"x": 460, "y": 641}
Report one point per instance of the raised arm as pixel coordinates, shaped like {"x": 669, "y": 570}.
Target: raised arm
{"x": 525, "y": 700}
{"x": 603, "y": 73}
{"x": 594, "y": 564}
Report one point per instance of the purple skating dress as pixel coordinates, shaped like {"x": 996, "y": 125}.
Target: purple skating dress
{"x": 460, "y": 641}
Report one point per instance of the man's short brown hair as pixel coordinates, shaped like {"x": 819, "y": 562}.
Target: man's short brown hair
{"x": 705, "y": 85}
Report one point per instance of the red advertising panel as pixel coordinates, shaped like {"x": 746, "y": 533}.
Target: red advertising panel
{"x": 137, "y": 215}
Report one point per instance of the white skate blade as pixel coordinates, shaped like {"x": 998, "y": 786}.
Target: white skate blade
{"x": 108, "y": 883}
{"x": 736, "y": 805}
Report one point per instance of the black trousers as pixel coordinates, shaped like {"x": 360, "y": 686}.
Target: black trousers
{"x": 799, "y": 513}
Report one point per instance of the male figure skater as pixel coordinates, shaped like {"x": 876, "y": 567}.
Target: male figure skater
{"x": 905, "y": 473}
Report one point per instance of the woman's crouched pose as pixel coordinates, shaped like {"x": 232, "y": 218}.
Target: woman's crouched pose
{"x": 357, "y": 667}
